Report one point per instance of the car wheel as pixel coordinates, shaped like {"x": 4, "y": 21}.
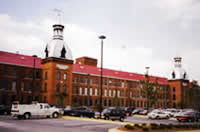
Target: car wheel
{"x": 27, "y": 116}
{"x": 55, "y": 115}
{"x": 121, "y": 119}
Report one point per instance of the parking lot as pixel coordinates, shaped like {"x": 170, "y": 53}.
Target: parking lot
{"x": 76, "y": 124}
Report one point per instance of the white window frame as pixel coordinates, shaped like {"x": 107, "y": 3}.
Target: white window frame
{"x": 86, "y": 91}
{"x": 80, "y": 91}
{"x": 91, "y": 91}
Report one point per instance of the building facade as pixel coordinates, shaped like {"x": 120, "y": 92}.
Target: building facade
{"x": 58, "y": 79}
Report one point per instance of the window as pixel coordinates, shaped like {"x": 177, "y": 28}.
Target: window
{"x": 110, "y": 82}
{"x": 38, "y": 75}
{"x": 141, "y": 103}
{"x": 15, "y": 72}
{"x": 22, "y": 86}
{"x": 96, "y": 81}
{"x": 91, "y": 81}
{"x": 138, "y": 94}
{"x": 90, "y": 102}
{"x": 130, "y": 85}
{"x": 126, "y": 93}
{"x": 45, "y": 87}
{"x": 114, "y": 93}
{"x": 96, "y": 101}
{"x": 105, "y": 92}
{"x": 75, "y": 79}
{"x": 138, "y": 86}
{"x": 81, "y": 79}
{"x": 65, "y": 76}
{"x": 118, "y": 93}
{"x": 110, "y": 92}
{"x": 5, "y": 84}
{"x": 86, "y": 80}
{"x": 134, "y": 85}
{"x": 134, "y": 94}
{"x": 58, "y": 76}
{"x": 109, "y": 103}
{"x": 75, "y": 90}
{"x": 105, "y": 102}
{"x": 138, "y": 104}
{"x": 122, "y": 84}
{"x": 174, "y": 97}
{"x": 45, "y": 76}
{"x": 14, "y": 86}
{"x": 141, "y": 86}
{"x": 37, "y": 87}
{"x": 30, "y": 74}
{"x": 96, "y": 91}
{"x": 174, "y": 89}
{"x": 130, "y": 94}
{"x": 23, "y": 73}
{"x": 86, "y": 91}
{"x": 30, "y": 86}
{"x": 115, "y": 83}
{"x": 119, "y": 84}
{"x": 80, "y": 91}
{"x": 5, "y": 71}
{"x": 122, "y": 102}
{"x": 90, "y": 91}
{"x": 106, "y": 83}
{"x": 64, "y": 88}
{"x": 58, "y": 87}
{"x": 123, "y": 93}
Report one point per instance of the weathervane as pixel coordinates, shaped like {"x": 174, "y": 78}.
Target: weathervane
{"x": 58, "y": 14}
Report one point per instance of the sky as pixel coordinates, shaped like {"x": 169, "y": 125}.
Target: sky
{"x": 139, "y": 33}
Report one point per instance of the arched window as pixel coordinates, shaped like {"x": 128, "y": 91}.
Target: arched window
{"x": 64, "y": 88}
{"x": 65, "y": 76}
{"x": 58, "y": 75}
{"x": 58, "y": 87}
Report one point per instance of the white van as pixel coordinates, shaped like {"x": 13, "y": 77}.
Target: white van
{"x": 27, "y": 111}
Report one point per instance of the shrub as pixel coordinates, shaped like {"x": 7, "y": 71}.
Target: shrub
{"x": 145, "y": 129}
{"x": 129, "y": 126}
{"x": 163, "y": 126}
{"x": 154, "y": 126}
{"x": 137, "y": 125}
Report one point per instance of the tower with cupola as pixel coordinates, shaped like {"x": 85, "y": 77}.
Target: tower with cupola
{"x": 178, "y": 83}
{"x": 57, "y": 70}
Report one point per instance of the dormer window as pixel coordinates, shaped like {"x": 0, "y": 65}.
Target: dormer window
{"x": 63, "y": 52}
{"x": 173, "y": 75}
{"x": 184, "y": 75}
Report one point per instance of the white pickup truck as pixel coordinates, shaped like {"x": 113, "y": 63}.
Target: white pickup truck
{"x": 27, "y": 111}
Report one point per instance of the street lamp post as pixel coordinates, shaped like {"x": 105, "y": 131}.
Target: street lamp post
{"x": 102, "y": 37}
{"x": 34, "y": 57}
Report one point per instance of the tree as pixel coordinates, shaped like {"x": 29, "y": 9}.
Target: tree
{"x": 150, "y": 91}
{"x": 116, "y": 100}
{"x": 194, "y": 96}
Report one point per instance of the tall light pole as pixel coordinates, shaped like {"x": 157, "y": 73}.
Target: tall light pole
{"x": 34, "y": 57}
{"x": 102, "y": 37}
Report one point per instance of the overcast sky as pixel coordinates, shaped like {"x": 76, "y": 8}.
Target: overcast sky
{"x": 139, "y": 33}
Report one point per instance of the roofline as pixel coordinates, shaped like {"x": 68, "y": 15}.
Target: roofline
{"x": 20, "y": 65}
{"x": 112, "y": 77}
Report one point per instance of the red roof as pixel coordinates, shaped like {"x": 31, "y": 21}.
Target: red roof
{"x": 17, "y": 59}
{"x": 86, "y": 69}
{"x": 24, "y": 60}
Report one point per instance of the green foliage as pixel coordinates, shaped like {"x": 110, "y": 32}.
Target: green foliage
{"x": 129, "y": 127}
{"x": 154, "y": 126}
{"x": 150, "y": 90}
{"x": 145, "y": 129}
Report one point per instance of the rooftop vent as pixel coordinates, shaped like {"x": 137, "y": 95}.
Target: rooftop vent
{"x": 22, "y": 58}
{"x": 130, "y": 74}
{"x": 116, "y": 72}
{"x": 82, "y": 67}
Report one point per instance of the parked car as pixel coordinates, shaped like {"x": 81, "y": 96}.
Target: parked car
{"x": 27, "y": 111}
{"x": 136, "y": 111}
{"x": 129, "y": 110}
{"x": 143, "y": 112}
{"x": 68, "y": 110}
{"x": 83, "y": 112}
{"x": 114, "y": 114}
{"x": 158, "y": 115}
{"x": 188, "y": 116}
{"x": 5, "y": 109}
{"x": 61, "y": 109}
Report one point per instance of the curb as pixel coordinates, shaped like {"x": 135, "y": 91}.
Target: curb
{"x": 115, "y": 130}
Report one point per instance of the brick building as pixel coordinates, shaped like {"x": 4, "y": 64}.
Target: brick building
{"x": 57, "y": 79}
